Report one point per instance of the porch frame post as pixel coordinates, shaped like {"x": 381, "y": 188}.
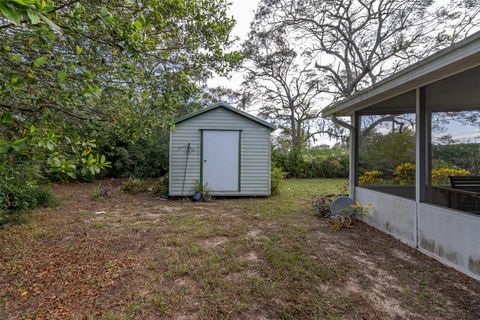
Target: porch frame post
{"x": 352, "y": 172}
{"x": 421, "y": 145}
{"x": 421, "y": 158}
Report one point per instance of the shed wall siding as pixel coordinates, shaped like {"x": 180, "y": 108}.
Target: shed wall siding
{"x": 255, "y": 152}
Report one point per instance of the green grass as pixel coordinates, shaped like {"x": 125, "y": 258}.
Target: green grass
{"x": 309, "y": 187}
{"x": 295, "y": 197}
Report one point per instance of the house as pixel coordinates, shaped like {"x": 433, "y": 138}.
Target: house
{"x": 223, "y": 149}
{"x": 415, "y": 135}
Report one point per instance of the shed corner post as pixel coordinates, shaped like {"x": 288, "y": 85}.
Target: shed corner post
{"x": 201, "y": 157}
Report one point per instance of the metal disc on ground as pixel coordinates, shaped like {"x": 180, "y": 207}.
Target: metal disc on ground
{"x": 339, "y": 204}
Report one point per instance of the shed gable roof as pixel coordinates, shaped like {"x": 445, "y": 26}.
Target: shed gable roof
{"x": 229, "y": 108}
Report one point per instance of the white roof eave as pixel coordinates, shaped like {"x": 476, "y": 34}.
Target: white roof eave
{"x": 452, "y": 60}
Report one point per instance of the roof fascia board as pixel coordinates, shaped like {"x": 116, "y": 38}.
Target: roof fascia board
{"x": 455, "y": 59}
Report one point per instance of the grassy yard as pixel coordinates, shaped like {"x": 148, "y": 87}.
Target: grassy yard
{"x": 138, "y": 257}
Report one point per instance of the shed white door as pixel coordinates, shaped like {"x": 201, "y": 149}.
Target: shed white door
{"x": 221, "y": 160}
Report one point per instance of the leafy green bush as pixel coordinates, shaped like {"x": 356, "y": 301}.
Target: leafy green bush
{"x": 330, "y": 168}
{"x": 276, "y": 181}
{"x": 313, "y": 163}
{"x": 133, "y": 186}
{"x": 20, "y": 190}
{"x": 17, "y": 185}
{"x": 141, "y": 159}
{"x": 405, "y": 174}
{"x": 45, "y": 197}
{"x": 371, "y": 177}
{"x": 161, "y": 186}
{"x": 441, "y": 176}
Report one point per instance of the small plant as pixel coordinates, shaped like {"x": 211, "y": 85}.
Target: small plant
{"x": 101, "y": 191}
{"x": 133, "y": 186}
{"x": 322, "y": 203}
{"x": 95, "y": 194}
{"x": 347, "y": 216}
{"x": 206, "y": 194}
{"x": 345, "y": 191}
{"x": 371, "y": 177}
{"x": 276, "y": 182}
{"x": 198, "y": 187}
{"x": 161, "y": 186}
{"x": 405, "y": 174}
{"x": 203, "y": 190}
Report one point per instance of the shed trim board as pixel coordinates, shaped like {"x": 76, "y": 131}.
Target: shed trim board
{"x": 239, "y": 157}
{"x": 250, "y": 170}
{"x": 449, "y": 235}
{"x": 240, "y": 160}
{"x": 227, "y": 107}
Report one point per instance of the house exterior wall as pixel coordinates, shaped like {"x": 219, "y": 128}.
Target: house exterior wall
{"x": 451, "y": 236}
{"x": 391, "y": 214}
{"x": 255, "y": 153}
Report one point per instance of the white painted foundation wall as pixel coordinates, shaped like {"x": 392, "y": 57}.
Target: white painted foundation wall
{"x": 450, "y": 236}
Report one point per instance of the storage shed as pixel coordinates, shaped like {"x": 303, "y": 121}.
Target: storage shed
{"x": 222, "y": 148}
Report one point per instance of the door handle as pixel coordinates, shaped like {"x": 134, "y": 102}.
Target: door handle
{"x": 205, "y": 161}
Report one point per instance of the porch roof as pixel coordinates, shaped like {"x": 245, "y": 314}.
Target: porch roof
{"x": 459, "y": 57}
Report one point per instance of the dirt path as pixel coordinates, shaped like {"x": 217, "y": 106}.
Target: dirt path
{"x": 139, "y": 257}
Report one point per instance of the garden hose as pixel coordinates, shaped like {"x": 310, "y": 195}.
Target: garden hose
{"x": 185, "y": 171}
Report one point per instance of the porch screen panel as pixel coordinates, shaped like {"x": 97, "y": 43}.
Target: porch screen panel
{"x": 386, "y": 153}
{"x": 453, "y": 173}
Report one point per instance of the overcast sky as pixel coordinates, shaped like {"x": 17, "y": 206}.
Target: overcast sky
{"x": 243, "y": 11}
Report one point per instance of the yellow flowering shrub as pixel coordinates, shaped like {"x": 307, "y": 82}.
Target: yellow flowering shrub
{"x": 405, "y": 174}
{"x": 371, "y": 177}
{"x": 440, "y": 176}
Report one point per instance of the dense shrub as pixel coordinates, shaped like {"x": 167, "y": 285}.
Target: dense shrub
{"x": 331, "y": 168}
{"x": 20, "y": 190}
{"x": 440, "y": 176}
{"x": 276, "y": 181}
{"x": 371, "y": 177}
{"x": 405, "y": 174}
{"x": 141, "y": 159}
{"x": 133, "y": 186}
{"x": 45, "y": 197}
{"x": 458, "y": 155}
{"x": 313, "y": 163}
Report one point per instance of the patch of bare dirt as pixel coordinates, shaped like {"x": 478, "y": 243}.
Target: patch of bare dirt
{"x": 252, "y": 257}
{"x": 254, "y": 234}
{"x": 213, "y": 242}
